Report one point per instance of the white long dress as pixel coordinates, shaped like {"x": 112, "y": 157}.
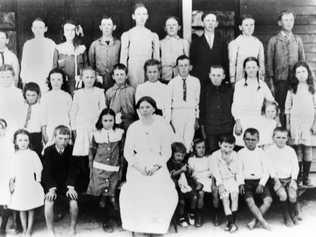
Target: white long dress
{"x": 56, "y": 106}
{"x": 6, "y": 151}
{"x": 37, "y": 61}
{"x": 247, "y": 103}
{"x": 148, "y": 202}
{"x": 26, "y": 169}
{"x": 138, "y": 45}
{"x": 301, "y": 108}
{"x": 86, "y": 108}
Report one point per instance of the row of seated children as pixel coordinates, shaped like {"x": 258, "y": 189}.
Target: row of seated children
{"x": 251, "y": 172}
{"x": 225, "y": 173}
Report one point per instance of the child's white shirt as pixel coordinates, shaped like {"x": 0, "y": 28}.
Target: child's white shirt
{"x": 192, "y": 93}
{"x": 283, "y": 162}
{"x": 34, "y": 124}
{"x": 254, "y": 164}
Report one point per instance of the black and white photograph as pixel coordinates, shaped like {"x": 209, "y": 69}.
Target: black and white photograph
{"x": 151, "y": 118}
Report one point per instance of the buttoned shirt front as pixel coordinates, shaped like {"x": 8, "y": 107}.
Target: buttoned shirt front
{"x": 193, "y": 89}
{"x": 104, "y": 55}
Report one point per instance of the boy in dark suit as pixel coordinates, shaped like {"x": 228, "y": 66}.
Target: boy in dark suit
{"x": 207, "y": 50}
{"x": 59, "y": 178}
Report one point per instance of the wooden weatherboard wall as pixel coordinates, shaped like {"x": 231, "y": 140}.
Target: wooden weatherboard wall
{"x": 266, "y": 14}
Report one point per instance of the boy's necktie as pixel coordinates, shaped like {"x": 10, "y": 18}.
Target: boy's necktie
{"x": 184, "y": 89}
{"x": 28, "y": 116}
{"x": 2, "y": 58}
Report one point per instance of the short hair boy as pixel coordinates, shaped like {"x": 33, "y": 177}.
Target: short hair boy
{"x": 255, "y": 176}
{"x": 283, "y": 51}
{"x": 284, "y": 170}
{"x": 59, "y": 177}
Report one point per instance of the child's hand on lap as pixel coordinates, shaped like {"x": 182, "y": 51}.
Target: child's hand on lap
{"x": 51, "y": 195}
{"x": 71, "y": 193}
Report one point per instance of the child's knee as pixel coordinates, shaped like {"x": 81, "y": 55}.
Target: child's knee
{"x": 267, "y": 201}
{"x": 292, "y": 196}
{"x": 308, "y": 154}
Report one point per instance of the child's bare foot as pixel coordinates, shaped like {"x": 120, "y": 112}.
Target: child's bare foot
{"x": 266, "y": 226}
{"x": 252, "y": 224}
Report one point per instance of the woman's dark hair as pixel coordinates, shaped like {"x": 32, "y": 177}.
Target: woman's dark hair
{"x": 31, "y": 86}
{"x": 251, "y": 59}
{"x": 178, "y": 147}
{"x": 15, "y": 135}
{"x": 98, "y": 124}
{"x": 63, "y": 75}
{"x": 78, "y": 38}
{"x": 147, "y": 99}
{"x": 294, "y": 82}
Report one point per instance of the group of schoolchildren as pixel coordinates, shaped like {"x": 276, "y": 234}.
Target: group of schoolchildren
{"x": 68, "y": 130}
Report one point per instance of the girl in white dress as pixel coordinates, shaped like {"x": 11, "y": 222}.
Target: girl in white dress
{"x": 25, "y": 177}
{"x": 300, "y": 110}
{"x": 249, "y": 95}
{"x": 6, "y": 152}
{"x": 138, "y": 45}
{"x": 199, "y": 166}
{"x": 269, "y": 121}
{"x": 56, "y": 105}
{"x": 87, "y": 104}
{"x": 149, "y": 198}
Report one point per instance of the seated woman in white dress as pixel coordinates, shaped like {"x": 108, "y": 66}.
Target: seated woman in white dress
{"x": 148, "y": 199}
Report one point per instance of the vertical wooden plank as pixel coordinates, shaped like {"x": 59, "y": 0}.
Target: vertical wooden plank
{"x": 187, "y": 19}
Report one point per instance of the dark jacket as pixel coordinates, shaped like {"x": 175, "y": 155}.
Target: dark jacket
{"x": 59, "y": 170}
{"x": 202, "y": 56}
{"x": 215, "y": 108}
